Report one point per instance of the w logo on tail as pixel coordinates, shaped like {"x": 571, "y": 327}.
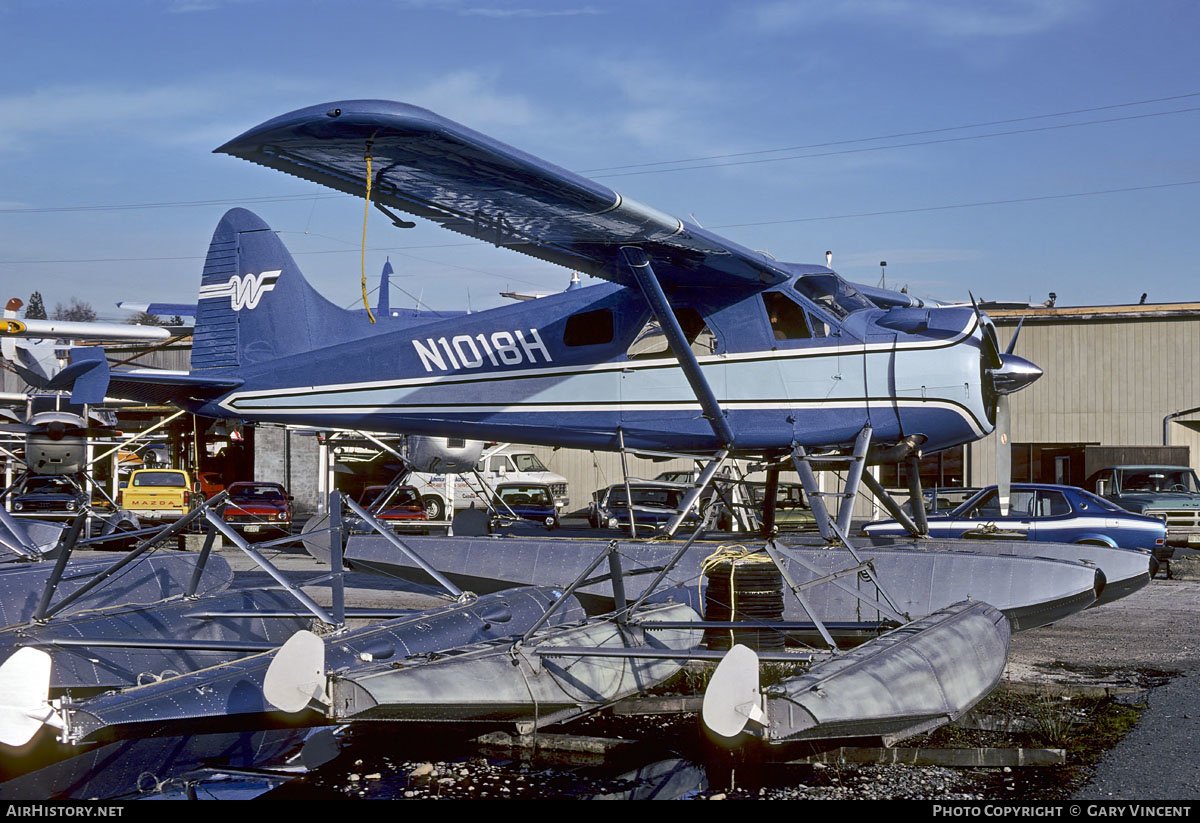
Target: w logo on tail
{"x": 243, "y": 291}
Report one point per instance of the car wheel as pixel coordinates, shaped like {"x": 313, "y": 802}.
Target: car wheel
{"x": 435, "y": 509}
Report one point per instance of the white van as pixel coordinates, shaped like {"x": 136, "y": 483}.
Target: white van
{"x": 502, "y": 464}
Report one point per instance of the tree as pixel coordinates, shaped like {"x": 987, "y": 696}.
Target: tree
{"x": 77, "y": 310}
{"x": 36, "y": 310}
{"x": 145, "y": 318}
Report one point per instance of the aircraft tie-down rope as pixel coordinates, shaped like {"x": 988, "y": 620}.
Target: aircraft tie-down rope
{"x": 366, "y": 214}
{"x": 733, "y": 555}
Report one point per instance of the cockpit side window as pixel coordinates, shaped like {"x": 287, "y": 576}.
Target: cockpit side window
{"x": 589, "y": 328}
{"x": 787, "y": 318}
{"x": 651, "y": 342}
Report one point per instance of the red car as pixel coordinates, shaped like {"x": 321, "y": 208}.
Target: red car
{"x": 399, "y": 509}
{"x": 259, "y": 508}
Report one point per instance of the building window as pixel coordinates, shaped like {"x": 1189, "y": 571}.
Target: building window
{"x": 944, "y": 469}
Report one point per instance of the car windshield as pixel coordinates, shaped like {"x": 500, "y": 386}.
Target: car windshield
{"x": 528, "y": 463}
{"x": 256, "y": 493}
{"x": 170, "y": 480}
{"x": 406, "y": 497}
{"x": 49, "y": 485}
{"x": 525, "y": 496}
{"x": 645, "y": 496}
{"x": 1159, "y": 479}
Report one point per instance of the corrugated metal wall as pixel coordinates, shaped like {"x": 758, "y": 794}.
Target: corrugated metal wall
{"x": 1106, "y": 381}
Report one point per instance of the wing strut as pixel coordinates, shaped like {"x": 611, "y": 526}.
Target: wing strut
{"x": 639, "y": 265}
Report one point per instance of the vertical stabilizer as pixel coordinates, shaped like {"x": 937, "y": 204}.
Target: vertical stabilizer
{"x": 254, "y": 304}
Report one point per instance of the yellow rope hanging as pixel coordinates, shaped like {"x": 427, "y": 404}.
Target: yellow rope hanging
{"x": 366, "y": 214}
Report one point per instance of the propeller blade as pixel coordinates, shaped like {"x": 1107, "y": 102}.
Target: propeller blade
{"x": 18, "y": 428}
{"x": 1012, "y": 344}
{"x": 1003, "y": 454}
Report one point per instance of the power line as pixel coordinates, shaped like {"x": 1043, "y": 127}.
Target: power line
{"x": 962, "y": 205}
{"x": 170, "y": 204}
{"x": 894, "y": 136}
{"x": 900, "y": 145}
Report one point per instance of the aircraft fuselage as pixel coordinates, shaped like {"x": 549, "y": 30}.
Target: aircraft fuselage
{"x": 572, "y": 368}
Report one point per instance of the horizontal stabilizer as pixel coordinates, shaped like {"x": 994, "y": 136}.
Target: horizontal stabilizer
{"x": 160, "y": 309}
{"x": 158, "y": 388}
{"x": 469, "y": 183}
{"x": 86, "y": 376}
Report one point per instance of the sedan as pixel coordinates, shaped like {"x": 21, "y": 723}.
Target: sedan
{"x": 1043, "y": 512}
{"x": 259, "y": 509}
{"x": 654, "y": 504}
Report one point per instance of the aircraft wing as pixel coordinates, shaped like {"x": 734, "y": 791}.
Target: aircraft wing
{"x": 432, "y": 167}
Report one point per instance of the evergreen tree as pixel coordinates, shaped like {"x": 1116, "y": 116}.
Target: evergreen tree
{"x": 36, "y": 310}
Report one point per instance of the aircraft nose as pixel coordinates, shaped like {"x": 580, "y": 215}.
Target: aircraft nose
{"x": 1014, "y": 374}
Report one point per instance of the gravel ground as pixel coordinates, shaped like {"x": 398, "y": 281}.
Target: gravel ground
{"x": 1155, "y": 630}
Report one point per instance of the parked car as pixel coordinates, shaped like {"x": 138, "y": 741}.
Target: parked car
{"x": 791, "y": 509}
{"x": 159, "y": 495}
{"x": 210, "y": 483}
{"x": 1044, "y": 512}
{"x": 1169, "y": 493}
{"x": 50, "y": 497}
{"x": 528, "y": 501}
{"x": 654, "y": 504}
{"x": 401, "y": 509}
{"x": 256, "y": 509}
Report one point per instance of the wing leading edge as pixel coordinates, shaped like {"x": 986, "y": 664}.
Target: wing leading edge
{"x": 432, "y": 167}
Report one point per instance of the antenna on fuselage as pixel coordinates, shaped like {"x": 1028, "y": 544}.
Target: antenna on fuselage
{"x": 829, "y": 260}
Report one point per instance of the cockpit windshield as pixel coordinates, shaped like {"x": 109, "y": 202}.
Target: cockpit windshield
{"x": 832, "y": 293}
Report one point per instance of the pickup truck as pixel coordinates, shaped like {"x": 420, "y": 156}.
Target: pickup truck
{"x": 159, "y": 495}
{"x": 1170, "y": 493}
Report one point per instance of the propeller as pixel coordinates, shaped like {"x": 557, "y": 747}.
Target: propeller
{"x": 1003, "y": 374}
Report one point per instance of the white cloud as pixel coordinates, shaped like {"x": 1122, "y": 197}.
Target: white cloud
{"x": 473, "y": 98}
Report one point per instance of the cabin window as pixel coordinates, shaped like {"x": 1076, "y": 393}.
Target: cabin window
{"x": 786, "y": 317}
{"x": 651, "y": 342}
{"x": 589, "y": 328}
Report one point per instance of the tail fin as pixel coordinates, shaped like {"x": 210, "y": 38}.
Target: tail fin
{"x": 255, "y": 305}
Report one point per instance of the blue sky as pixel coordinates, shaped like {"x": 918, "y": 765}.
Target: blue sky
{"x": 121, "y": 103}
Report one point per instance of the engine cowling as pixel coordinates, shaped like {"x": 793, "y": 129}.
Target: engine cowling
{"x": 448, "y": 455}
